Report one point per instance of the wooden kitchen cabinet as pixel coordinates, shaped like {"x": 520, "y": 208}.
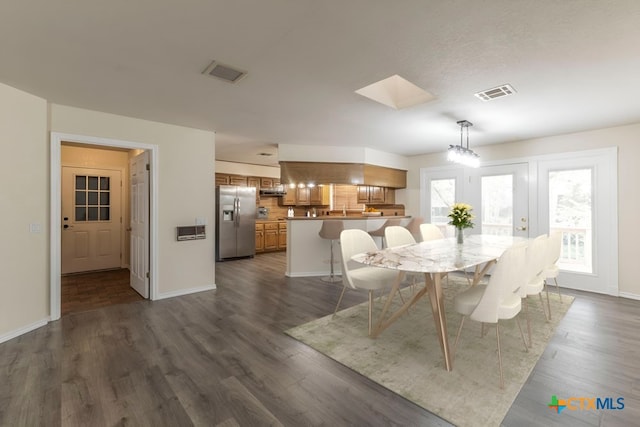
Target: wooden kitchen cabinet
{"x": 314, "y": 196}
{"x": 270, "y": 236}
{"x": 238, "y": 180}
{"x": 290, "y": 198}
{"x": 253, "y": 181}
{"x": 282, "y": 235}
{"x": 319, "y": 195}
{"x": 222, "y": 179}
{"x": 368, "y": 194}
{"x": 303, "y": 196}
{"x": 266, "y": 182}
{"x": 259, "y": 237}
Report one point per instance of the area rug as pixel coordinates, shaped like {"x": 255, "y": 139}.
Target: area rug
{"x": 406, "y": 358}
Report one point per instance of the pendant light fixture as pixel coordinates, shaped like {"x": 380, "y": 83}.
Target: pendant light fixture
{"x": 460, "y": 154}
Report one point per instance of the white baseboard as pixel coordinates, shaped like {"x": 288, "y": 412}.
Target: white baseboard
{"x": 181, "y": 292}
{"x": 23, "y": 330}
{"x": 629, "y": 295}
{"x": 312, "y": 274}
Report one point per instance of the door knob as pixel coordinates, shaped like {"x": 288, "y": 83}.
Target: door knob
{"x": 523, "y": 228}
{"x": 67, "y": 226}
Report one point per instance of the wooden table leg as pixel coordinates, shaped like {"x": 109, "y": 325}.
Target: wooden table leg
{"x": 394, "y": 288}
{"x": 382, "y": 324}
{"x": 437, "y": 307}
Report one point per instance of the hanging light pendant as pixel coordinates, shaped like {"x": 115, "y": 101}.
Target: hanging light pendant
{"x": 460, "y": 154}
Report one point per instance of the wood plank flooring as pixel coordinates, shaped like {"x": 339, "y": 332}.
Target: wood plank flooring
{"x": 220, "y": 358}
{"x": 88, "y": 291}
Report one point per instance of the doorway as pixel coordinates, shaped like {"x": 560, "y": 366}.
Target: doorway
{"x": 57, "y": 218}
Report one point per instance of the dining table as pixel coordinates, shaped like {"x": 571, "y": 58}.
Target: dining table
{"x": 435, "y": 259}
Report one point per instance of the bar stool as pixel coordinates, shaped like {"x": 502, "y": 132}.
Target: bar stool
{"x": 331, "y": 230}
{"x": 414, "y": 227}
{"x": 380, "y": 231}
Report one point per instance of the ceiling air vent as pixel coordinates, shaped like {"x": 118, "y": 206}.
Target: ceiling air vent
{"x": 224, "y": 72}
{"x": 496, "y": 92}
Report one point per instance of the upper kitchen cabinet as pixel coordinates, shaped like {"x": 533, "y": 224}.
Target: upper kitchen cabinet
{"x": 319, "y": 195}
{"x": 238, "y": 180}
{"x": 373, "y": 195}
{"x": 226, "y": 179}
{"x": 307, "y": 196}
{"x": 222, "y": 179}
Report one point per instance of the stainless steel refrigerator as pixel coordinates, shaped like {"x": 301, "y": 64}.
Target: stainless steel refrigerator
{"x": 235, "y": 222}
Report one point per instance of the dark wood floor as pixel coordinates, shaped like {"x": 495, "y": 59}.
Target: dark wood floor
{"x": 220, "y": 358}
{"x": 88, "y": 291}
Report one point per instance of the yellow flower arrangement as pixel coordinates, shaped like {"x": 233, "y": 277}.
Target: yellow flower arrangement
{"x": 461, "y": 215}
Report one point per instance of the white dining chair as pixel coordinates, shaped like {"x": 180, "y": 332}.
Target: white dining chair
{"x": 430, "y": 232}
{"x": 397, "y": 235}
{"x": 551, "y": 269}
{"x": 498, "y": 300}
{"x": 359, "y": 276}
{"x": 534, "y": 267}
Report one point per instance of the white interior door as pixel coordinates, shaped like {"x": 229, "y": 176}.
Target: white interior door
{"x": 91, "y": 219}
{"x": 139, "y": 227}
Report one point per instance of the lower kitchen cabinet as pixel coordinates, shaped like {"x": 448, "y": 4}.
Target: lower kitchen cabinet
{"x": 271, "y": 236}
{"x": 259, "y": 237}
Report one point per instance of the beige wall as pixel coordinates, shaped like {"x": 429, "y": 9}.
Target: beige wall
{"x": 247, "y": 169}
{"x": 186, "y": 188}
{"x": 626, "y": 138}
{"x": 24, "y": 186}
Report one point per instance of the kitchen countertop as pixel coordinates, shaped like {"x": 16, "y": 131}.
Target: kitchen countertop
{"x": 348, "y": 217}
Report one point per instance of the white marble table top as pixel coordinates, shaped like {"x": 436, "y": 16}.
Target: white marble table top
{"x": 440, "y": 256}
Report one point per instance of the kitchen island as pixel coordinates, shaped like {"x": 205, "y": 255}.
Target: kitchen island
{"x": 309, "y": 255}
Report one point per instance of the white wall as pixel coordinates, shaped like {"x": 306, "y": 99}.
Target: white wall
{"x": 626, "y": 138}
{"x": 24, "y": 184}
{"x": 186, "y": 189}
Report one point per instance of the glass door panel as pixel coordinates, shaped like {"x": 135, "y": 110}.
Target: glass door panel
{"x": 443, "y": 196}
{"x": 497, "y": 205}
{"x": 571, "y": 212}
{"x": 500, "y": 199}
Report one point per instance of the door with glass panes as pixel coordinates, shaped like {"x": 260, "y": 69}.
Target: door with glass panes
{"x": 91, "y": 219}
{"x": 499, "y": 196}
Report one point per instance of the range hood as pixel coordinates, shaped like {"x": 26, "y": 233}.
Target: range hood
{"x": 273, "y": 191}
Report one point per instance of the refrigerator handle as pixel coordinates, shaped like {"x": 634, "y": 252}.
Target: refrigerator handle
{"x": 236, "y": 208}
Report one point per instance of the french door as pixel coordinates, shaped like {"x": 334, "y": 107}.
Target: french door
{"x": 499, "y": 196}
{"x": 573, "y": 193}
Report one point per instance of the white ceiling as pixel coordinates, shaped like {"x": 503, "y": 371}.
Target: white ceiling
{"x": 575, "y": 65}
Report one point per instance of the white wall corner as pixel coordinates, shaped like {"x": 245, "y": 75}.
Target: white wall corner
{"x": 23, "y": 330}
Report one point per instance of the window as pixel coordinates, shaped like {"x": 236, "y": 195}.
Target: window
{"x": 92, "y": 200}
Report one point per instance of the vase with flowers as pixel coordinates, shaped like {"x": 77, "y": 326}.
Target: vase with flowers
{"x": 461, "y": 217}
